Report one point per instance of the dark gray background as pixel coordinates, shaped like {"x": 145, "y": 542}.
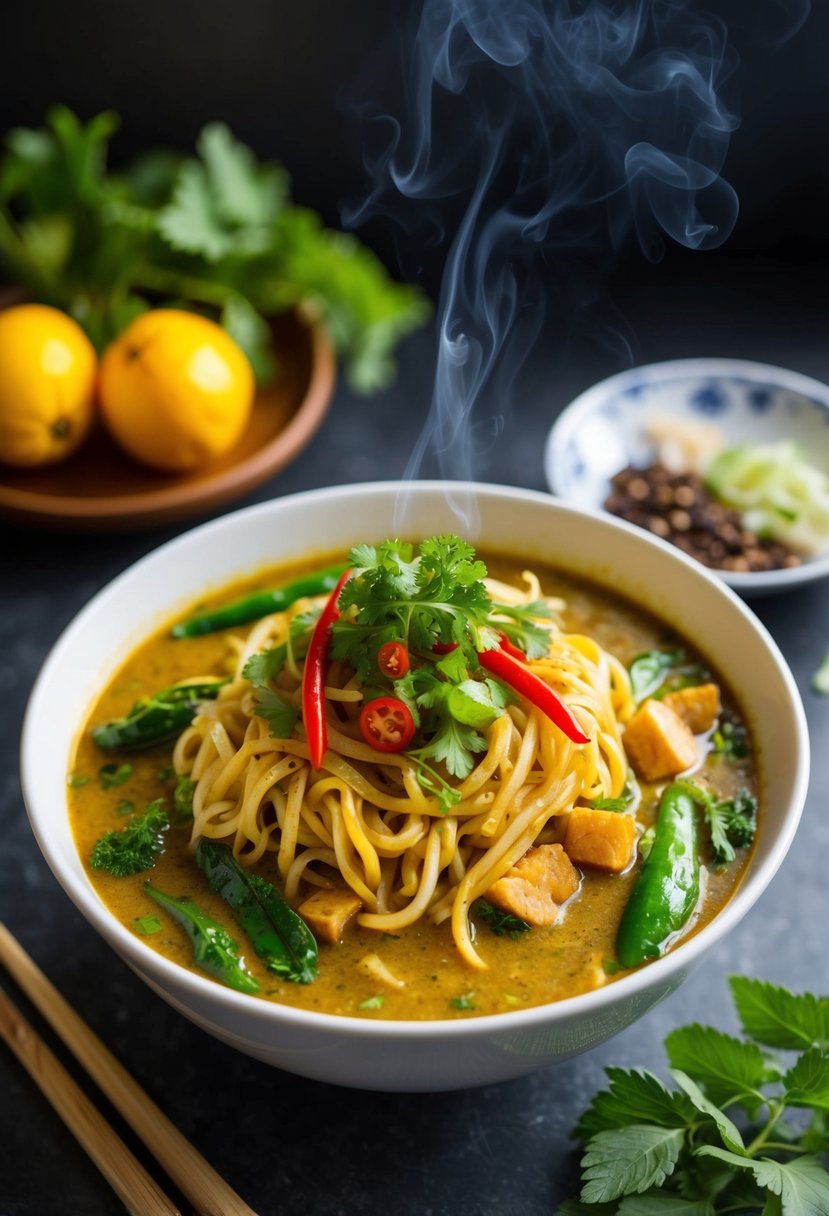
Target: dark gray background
{"x": 289, "y": 1145}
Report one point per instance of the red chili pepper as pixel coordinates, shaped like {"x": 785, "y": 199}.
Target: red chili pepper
{"x": 510, "y": 648}
{"x": 387, "y": 724}
{"x": 518, "y": 675}
{"x": 444, "y": 647}
{"x": 313, "y": 677}
{"x": 393, "y": 660}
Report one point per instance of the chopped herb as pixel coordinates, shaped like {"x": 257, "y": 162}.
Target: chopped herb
{"x": 183, "y": 797}
{"x": 466, "y": 1001}
{"x": 133, "y": 848}
{"x": 76, "y": 781}
{"x": 111, "y": 775}
{"x": 649, "y": 669}
{"x": 148, "y": 924}
{"x": 650, "y": 1150}
{"x": 732, "y": 822}
{"x": 628, "y": 798}
{"x": 730, "y": 741}
{"x": 512, "y": 999}
{"x": 820, "y": 680}
{"x": 434, "y": 601}
{"x": 164, "y": 774}
{"x": 390, "y": 937}
{"x": 611, "y": 967}
{"x": 125, "y": 807}
{"x": 373, "y": 1002}
{"x": 502, "y": 924}
{"x": 216, "y": 231}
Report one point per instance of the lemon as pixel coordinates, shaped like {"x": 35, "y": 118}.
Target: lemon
{"x": 175, "y": 390}
{"x": 47, "y": 385}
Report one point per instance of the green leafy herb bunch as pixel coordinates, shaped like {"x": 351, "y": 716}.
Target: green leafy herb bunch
{"x": 216, "y": 232}
{"x": 746, "y": 1131}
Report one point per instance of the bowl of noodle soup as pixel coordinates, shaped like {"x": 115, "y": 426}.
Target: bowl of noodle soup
{"x": 401, "y": 1014}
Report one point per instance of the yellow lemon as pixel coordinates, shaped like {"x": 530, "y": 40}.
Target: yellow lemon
{"x": 175, "y": 389}
{"x": 47, "y": 385}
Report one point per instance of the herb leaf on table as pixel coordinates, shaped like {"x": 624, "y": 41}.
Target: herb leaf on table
{"x": 722, "y": 1142}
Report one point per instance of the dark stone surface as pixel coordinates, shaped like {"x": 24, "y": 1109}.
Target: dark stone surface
{"x": 295, "y": 1146}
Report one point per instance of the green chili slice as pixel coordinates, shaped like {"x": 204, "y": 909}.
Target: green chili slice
{"x": 259, "y": 604}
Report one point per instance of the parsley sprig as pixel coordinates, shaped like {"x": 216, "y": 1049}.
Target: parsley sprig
{"x": 216, "y": 232}
{"x": 723, "y": 1140}
{"x": 732, "y": 822}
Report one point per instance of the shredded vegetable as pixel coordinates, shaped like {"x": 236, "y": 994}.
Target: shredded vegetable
{"x": 778, "y": 493}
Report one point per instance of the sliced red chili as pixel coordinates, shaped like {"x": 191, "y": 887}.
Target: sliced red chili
{"x": 393, "y": 660}
{"x": 387, "y": 724}
{"x": 313, "y": 677}
{"x": 511, "y": 648}
{"x": 444, "y": 647}
{"x": 525, "y": 682}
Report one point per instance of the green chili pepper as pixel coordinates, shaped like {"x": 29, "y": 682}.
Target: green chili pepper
{"x": 667, "y": 889}
{"x": 154, "y": 719}
{"x": 260, "y": 604}
{"x": 276, "y": 932}
{"x": 214, "y": 950}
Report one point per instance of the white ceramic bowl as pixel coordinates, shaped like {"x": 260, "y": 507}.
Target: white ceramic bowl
{"x": 605, "y": 428}
{"x": 380, "y": 1054}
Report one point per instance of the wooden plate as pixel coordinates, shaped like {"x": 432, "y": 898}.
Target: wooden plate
{"x": 101, "y": 489}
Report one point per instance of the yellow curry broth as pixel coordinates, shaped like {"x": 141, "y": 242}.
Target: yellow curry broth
{"x": 533, "y": 968}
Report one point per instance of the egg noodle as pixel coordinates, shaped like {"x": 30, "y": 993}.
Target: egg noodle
{"x": 365, "y": 819}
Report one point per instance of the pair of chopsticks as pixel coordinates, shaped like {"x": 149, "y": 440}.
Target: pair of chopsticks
{"x": 194, "y": 1177}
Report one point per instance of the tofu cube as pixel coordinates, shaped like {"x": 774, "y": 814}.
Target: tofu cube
{"x": 603, "y": 840}
{"x": 537, "y": 885}
{"x": 328, "y": 912}
{"x": 698, "y": 707}
{"x": 658, "y": 743}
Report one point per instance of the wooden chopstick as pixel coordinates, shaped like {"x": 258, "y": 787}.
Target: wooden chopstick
{"x": 123, "y": 1172}
{"x": 192, "y": 1174}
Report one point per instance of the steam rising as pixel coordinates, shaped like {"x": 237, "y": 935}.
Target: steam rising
{"x": 530, "y": 134}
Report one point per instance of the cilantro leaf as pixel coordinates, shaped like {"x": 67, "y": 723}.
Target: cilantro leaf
{"x": 191, "y": 221}
{"x": 634, "y": 1096}
{"x": 245, "y": 193}
{"x": 802, "y": 1184}
{"x": 778, "y": 1018}
{"x": 730, "y": 741}
{"x": 454, "y": 745}
{"x": 501, "y": 923}
{"x": 657, "y": 1203}
{"x": 133, "y": 848}
{"x": 279, "y": 714}
{"x": 629, "y": 1161}
{"x": 731, "y": 822}
{"x": 729, "y": 1132}
{"x": 807, "y": 1082}
{"x": 183, "y": 796}
{"x": 729, "y": 1069}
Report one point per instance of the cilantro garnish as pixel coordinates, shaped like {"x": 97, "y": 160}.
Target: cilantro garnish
{"x": 134, "y": 847}
{"x": 465, "y": 1001}
{"x": 434, "y": 601}
{"x": 112, "y": 775}
{"x": 373, "y": 1002}
{"x": 183, "y": 796}
{"x": 732, "y": 822}
{"x": 502, "y": 924}
{"x": 730, "y": 741}
{"x": 650, "y": 1150}
{"x": 216, "y": 231}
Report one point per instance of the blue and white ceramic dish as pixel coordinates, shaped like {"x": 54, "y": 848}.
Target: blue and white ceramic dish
{"x": 605, "y": 429}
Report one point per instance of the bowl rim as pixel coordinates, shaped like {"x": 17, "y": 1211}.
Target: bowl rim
{"x": 665, "y": 371}
{"x": 162, "y": 971}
